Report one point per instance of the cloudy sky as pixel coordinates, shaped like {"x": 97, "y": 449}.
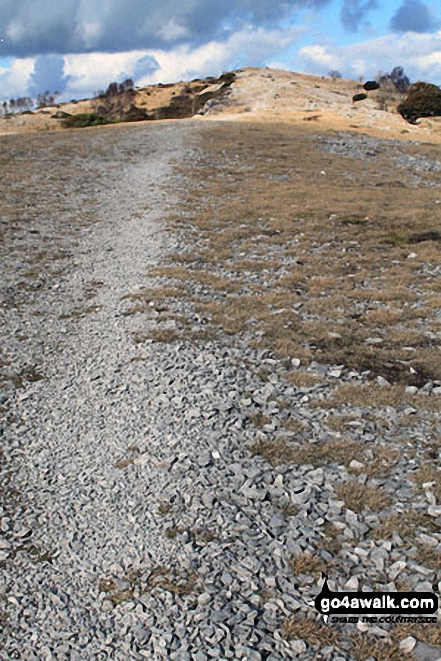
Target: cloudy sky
{"x": 77, "y": 47}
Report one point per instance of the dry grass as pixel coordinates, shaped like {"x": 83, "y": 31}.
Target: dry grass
{"x": 359, "y": 497}
{"x": 259, "y": 419}
{"x": 430, "y": 476}
{"x": 378, "y": 397}
{"x": 428, "y": 557}
{"x": 123, "y": 463}
{"x": 280, "y": 451}
{"x": 384, "y": 460}
{"x": 309, "y": 630}
{"x": 165, "y": 335}
{"x": 405, "y": 524}
{"x": 430, "y": 634}
{"x": 339, "y": 422}
{"x": 367, "y": 646}
{"x": 275, "y": 452}
{"x": 344, "y": 266}
{"x": 306, "y": 563}
{"x": 166, "y": 579}
{"x": 330, "y": 541}
{"x": 153, "y": 295}
{"x": 113, "y": 594}
{"x": 303, "y": 379}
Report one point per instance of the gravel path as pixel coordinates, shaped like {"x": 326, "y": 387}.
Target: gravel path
{"x": 91, "y": 405}
{"x": 135, "y": 524}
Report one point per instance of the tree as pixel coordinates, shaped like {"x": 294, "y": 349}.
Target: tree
{"x": 392, "y": 87}
{"x": 46, "y": 99}
{"x": 397, "y": 78}
{"x": 334, "y": 74}
{"x": 24, "y": 103}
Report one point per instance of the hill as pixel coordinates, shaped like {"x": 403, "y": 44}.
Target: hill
{"x": 258, "y": 95}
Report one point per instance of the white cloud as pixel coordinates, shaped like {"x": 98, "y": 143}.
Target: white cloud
{"x": 87, "y": 73}
{"x": 319, "y": 57}
{"x": 14, "y": 79}
{"x": 95, "y": 71}
{"x": 92, "y": 72}
{"x": 282, "y": 66}
{"x": 173, "y": 31}
{"x": 418, "y": 54}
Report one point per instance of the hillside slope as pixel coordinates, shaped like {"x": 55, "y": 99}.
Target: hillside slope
{"x": 264, "y": 95}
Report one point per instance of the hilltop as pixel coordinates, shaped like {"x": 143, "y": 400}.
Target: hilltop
{"x": 256, "y": 95}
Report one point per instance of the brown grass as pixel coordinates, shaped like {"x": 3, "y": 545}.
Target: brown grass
{"x": 306, "y": 563}
{"x": 303, "y": 379}
{"x": 309, "y": 630}
{"x": 405, "y": 524}
{"x": 344, "y": 270}
{"x": 366, "y": 646}
{"x": 280, "y": 451}
{"x": 426, "y": 475}
{"x": 166, "y": 579}
{"x": 359, "y": 497}
{"x": 377, "y": 397}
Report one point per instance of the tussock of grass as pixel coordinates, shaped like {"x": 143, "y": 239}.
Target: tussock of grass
{"x": 309, "y": 630}
{"x": 359, "y": 497}
{"x": 383, "y": 461}
{"x": 165, "y": 335}
{"x": 376, "y": 396}
{"x": 123, "y": 463}
{"x": 115, "y": 596}
{"x": 306, "y": 563}
{"x": 280, "y": 451}
{"x": 166, "y": 579}
{"x": 428, "y": 475}
{"x": 405, "y": 524}
{"x": 365, "y": 646}
{"x": 428, "y": 557}
{"x": 303, "y": 379}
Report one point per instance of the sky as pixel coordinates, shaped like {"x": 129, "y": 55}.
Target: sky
{"x": 78, "y": 47}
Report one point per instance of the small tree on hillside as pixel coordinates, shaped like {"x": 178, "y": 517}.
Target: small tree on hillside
{"x": 397, "y": 78}
{"x": 46, "y": 99}
{"x": 24, "y": 103}
{"x": 392, "y": 87}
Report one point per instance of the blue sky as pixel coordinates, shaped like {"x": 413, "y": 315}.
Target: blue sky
{"x": 77, "y": 47}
